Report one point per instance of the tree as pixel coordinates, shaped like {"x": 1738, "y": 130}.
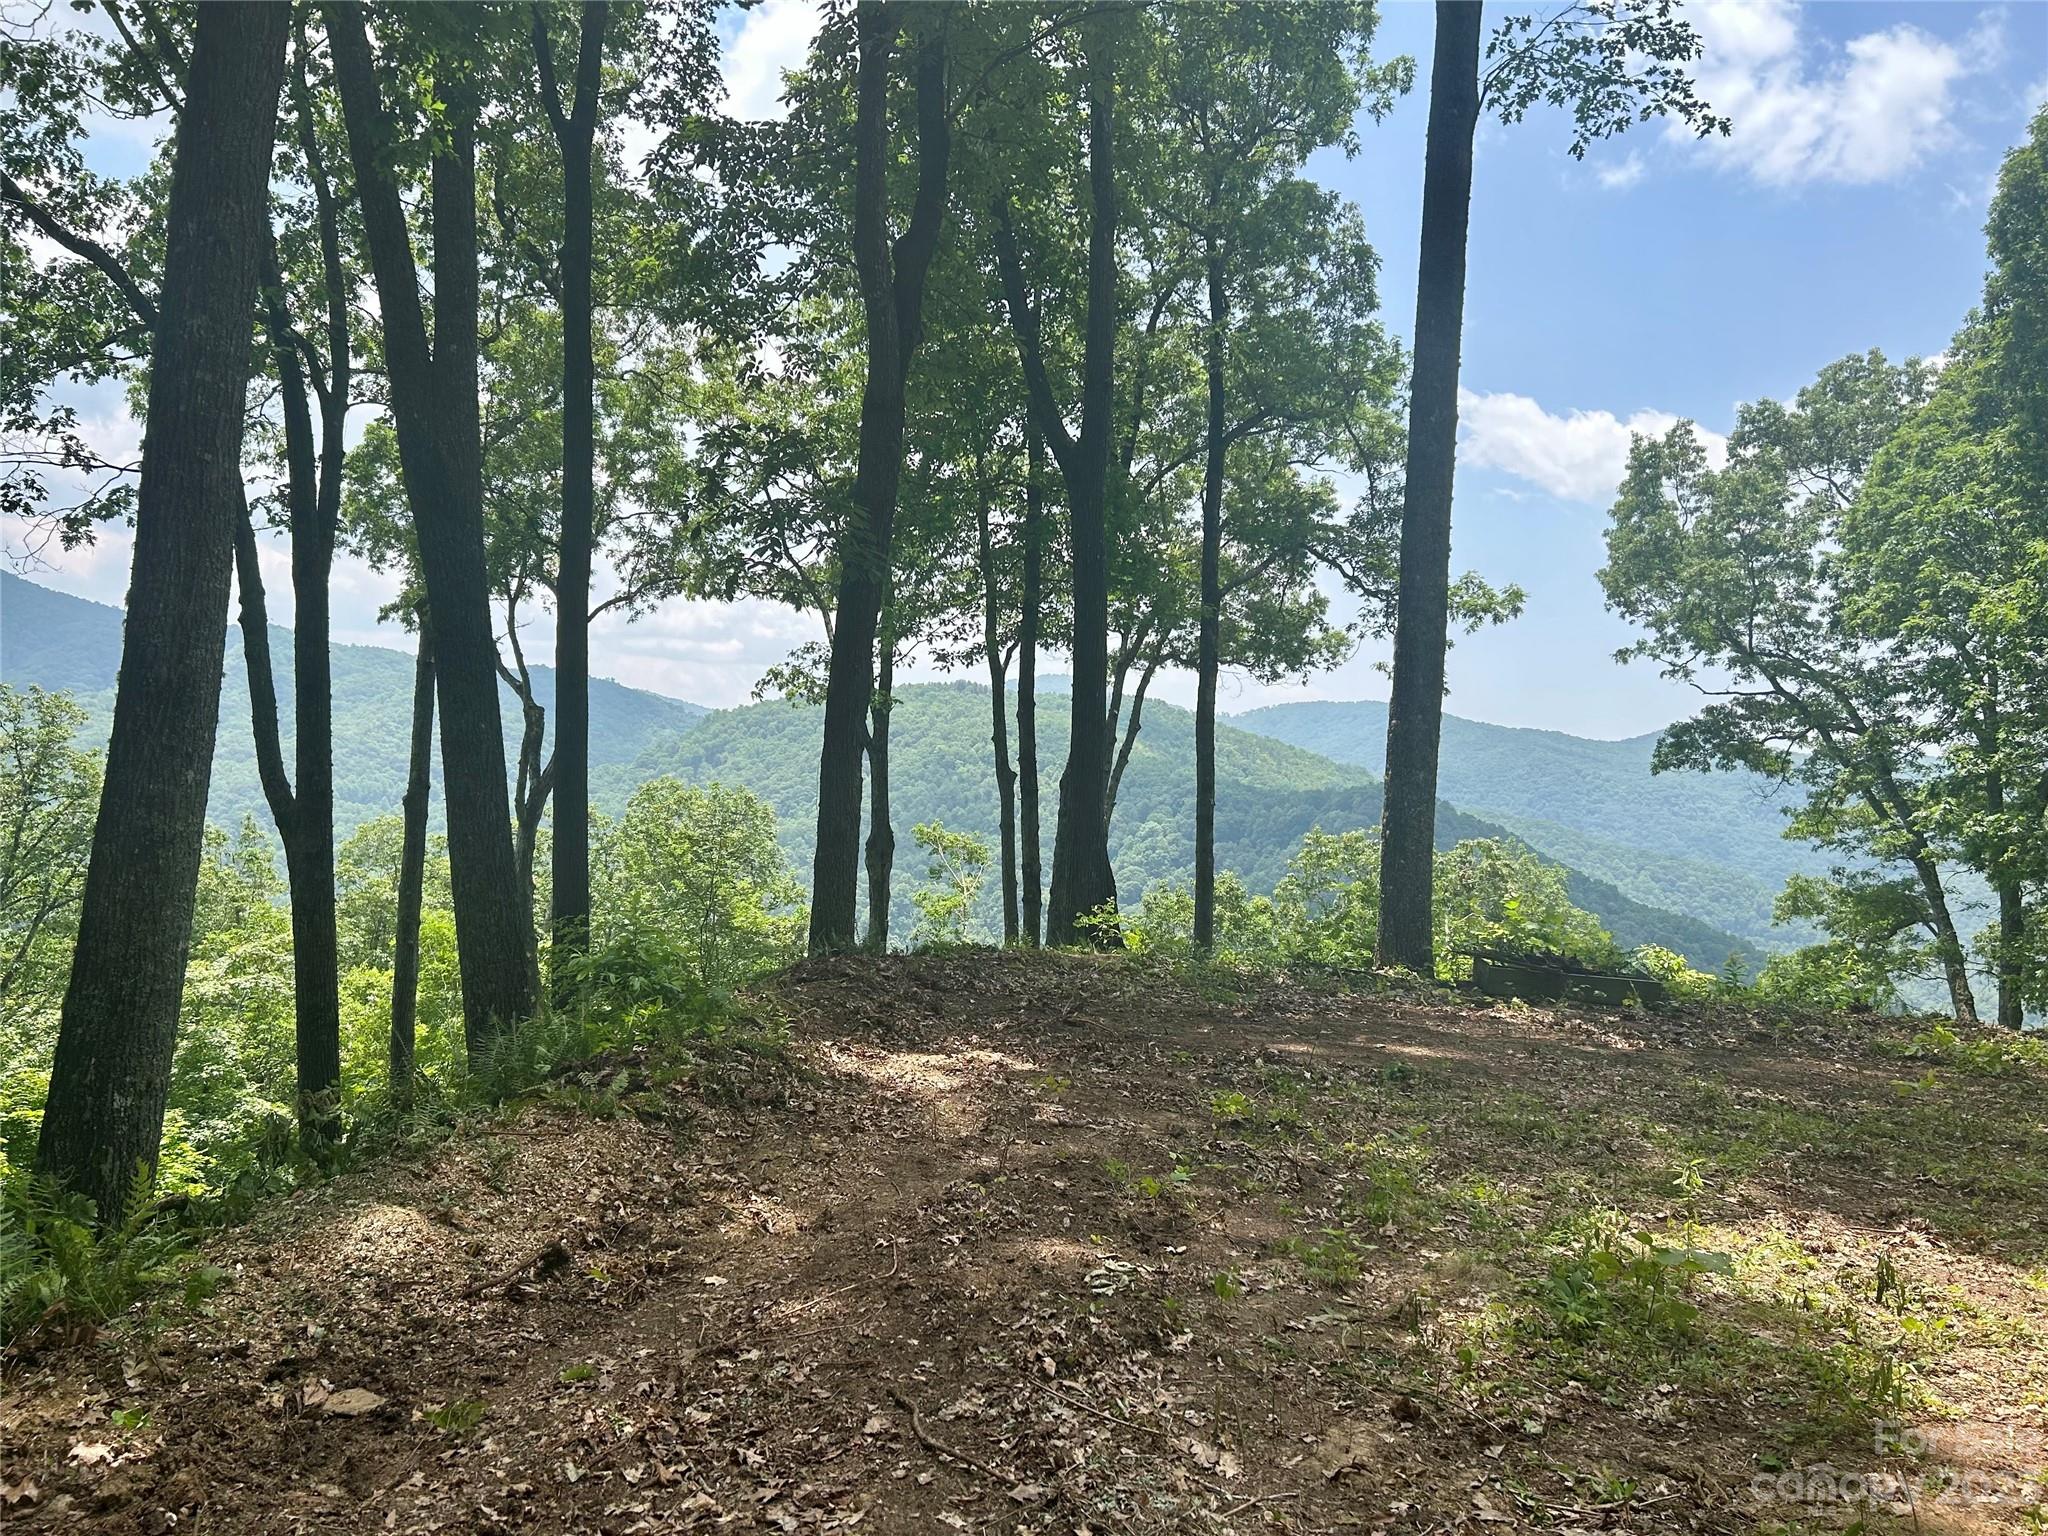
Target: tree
{"x": 1736, "y": 577}
{"x": 956, "y": 866}
{"x": 1607, "y": 62}
{"x": 1082, "y": 881}
{"x": 49, "y": 789}
{"x": 1943, "y": 563}
{"x": 1289, "y": 349}
{"x": 892, "y": 281}
{"x": 701, "y": 868}
{"x": 574, "y": 131}
{"x": 150, "y": 73}
{"x": 108, "y": 1084}
{"x": 405, "y": 956}
{"x": 434, "y": 395}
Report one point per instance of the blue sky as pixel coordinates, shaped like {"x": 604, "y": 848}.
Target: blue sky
{"x": 1658, "y": 279}
{"x": 1676, "y": 279}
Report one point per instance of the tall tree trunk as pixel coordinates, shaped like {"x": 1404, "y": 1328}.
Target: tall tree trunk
{"x": 570, "y": 897}
{"x": 103, "y": 1122}
{"x": 999, "y": 719}
{"x": 412, "y": 876}
{"x": 892, "y": 281}
{"x": 1209, "y": 646}
{"x": 881, "y": 830}
{"x": 1415, "y": 712}
{"x": 2012, "y": 934}
{"x": 1129, "y": 741}
{"x": 302, "y": 804}
{"x": 1082, "y": 881}
{"x": 434, "y": 399}
{"x": 1948, "y": 943}
{"x": 1029, "y": 874}
{"x": 308, "y": 845}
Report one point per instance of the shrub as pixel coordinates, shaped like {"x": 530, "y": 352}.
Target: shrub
{"x": 62, "y": 1274}
{"x": 955, "y": 869}
{"x": 1836, "y": 976}
{"x": 1685, "y": 984}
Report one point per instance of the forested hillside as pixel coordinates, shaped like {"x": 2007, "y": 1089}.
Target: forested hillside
{"x": 1269, "y": 794}
{"x": 59, "y": 642}
{"x": 1601, "y": 788}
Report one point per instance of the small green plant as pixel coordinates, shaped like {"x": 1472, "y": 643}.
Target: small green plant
{"x": 130, "y": 1421}
{"x": 1980, "y": 1056}
{"x": 1226, "y": 1285}
{"x": 1229, "y": 1106}
{"x": 1615, "y": 1277}
{"x": 582, "y": 1370}
{"x": 457, "y": 1416}
{"x": 957, "y": 865}
{"x": 1334, "y": 1261}
{"x": 62, "y": 1274}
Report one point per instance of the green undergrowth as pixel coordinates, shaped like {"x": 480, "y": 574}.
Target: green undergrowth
{"x": 641, "y": 1035}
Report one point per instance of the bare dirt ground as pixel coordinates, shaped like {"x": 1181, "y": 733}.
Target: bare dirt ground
{"x": 1031, "y": 1244}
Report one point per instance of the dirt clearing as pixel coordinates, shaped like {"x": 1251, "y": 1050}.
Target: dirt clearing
{"x": 1006, "y": 1243}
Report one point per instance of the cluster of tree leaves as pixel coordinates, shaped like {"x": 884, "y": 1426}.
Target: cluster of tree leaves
{"x": 1862, "y": 591}
{"x": 694, "y": 880}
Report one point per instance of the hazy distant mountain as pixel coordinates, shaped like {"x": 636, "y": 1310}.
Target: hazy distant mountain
{"x": 1710, "y": 844}
{"x": 1269, "y": 793}
{"x": 64, "y": 642}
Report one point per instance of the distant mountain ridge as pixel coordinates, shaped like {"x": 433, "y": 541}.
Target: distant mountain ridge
{"x": 58, "y": 641}
{"x": 1710, "y": 844}
{"x": 1270, "y": 793}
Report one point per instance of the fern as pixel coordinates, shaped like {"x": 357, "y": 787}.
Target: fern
{"x": 62, "y": 1274}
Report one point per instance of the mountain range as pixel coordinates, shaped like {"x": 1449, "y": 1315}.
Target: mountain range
{"x": 1685, "y": 860}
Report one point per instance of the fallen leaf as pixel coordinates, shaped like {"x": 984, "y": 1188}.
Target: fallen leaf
{"x": 23, "y": 1492}
{"x": 92, "y": 1453}
{"x": 351, "y": 1402}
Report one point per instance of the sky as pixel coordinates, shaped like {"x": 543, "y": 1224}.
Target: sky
{"x": 1660, "y": 279}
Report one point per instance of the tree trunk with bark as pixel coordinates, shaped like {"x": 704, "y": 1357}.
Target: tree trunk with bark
{"x": 434, "y": 400}
{"x": 1415, "y": 711}
{"x": 1082, "y": 881}
{"x": 881, "y": 850}
{"x": 103, "y": 1122}
{"x": 892, "y": 278}
{"x": 999, "y": 719}
{"x": 412, "y": 875}
{"x": 1208, "y": 656}
{"x": 569, "y": 911}
{"x": 1030, "y": 875}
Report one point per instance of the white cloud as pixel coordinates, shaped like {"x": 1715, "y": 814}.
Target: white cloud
{"x": 1803, "y": 110}
{"x": 1579, "y": 456}
{"x": 774, "y": 37}
{"x": 1623, "y": 174}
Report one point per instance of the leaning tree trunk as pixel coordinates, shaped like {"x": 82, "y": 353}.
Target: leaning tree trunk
{"x": 569, "y": 912}
{"x": 1948, "y": 943}
{"x": 103, "y": 1123}
{"x": 1415, "y": 712}
{"x": 1208, "y": 658}
{"x": 881, "y": 852}
{"x": 1030, "y": 875}
{"x": 892, "y": 281}
{"x": 412, "y": 876}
